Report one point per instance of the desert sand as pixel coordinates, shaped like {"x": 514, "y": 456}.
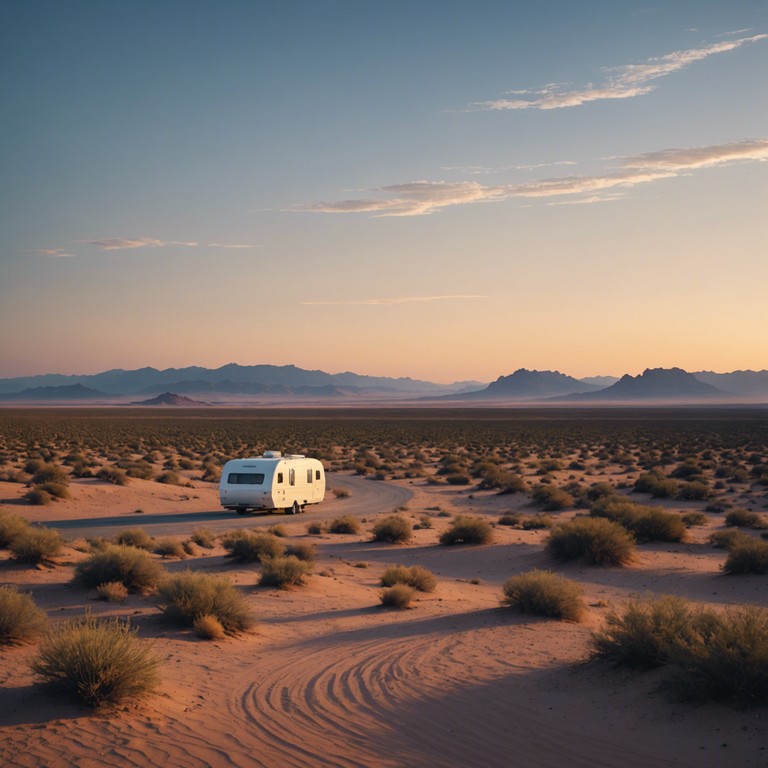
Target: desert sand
{"x": 330, "y": 678}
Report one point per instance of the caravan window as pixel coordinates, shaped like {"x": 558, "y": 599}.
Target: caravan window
{"x": 309, "y": 475}
{"x": 292, "y": 476}
{"x": 280, "y": 477}
{"x": 245, "y": 478}
{"x": 317, "y": 474}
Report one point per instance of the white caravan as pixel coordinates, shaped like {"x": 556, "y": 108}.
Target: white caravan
{"x": 272, "y": 481}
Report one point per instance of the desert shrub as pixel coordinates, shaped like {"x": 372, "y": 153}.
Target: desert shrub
{"x": 100, "y": 662}
{"x": 113, "y": 475}
{"x": 314, "y": 529}
{"x": 112, "y": 591}
{"x": 284, "y": 571}
{"x": 726, "y": 662}
{"x": 340, "y": 493}
{"x": 536, "y": 522}
{"x": 643, "y": 634}
{"x": 141, "y": 470}
{"x": 133, "y": 567}
{"x": 20, "y": 618}
{"x": 169, "y": 547}
{"x": 551, "y": 498}
{"x": 208, "y": 627}
{"x": 646, "y": 523}
{"x": 418, "y": 577}
{"x": 458, "y": 478}
{"x": 694, "y": 518}
{"x": 169, "y": 478}
{"x": 747, "y": 555}
{"x": 278, "y": 530}
{"x": 249, "y": 546}
{"x": 204, "y": 537}
{"x": 36, "y": 544}
{"x": 394, "y": 529}
{"x": 10, "y": 527}
{"x": 694, "y": 491}
{"x": 345, "y": 524}
{"x": 399, "y": 596}
{"x": 595, "y": 540}
{"x": 57, "y": 490}
{"x": 657, "y": 485}
{"x": 50, "y": 473}
{"x": 304, "y": 550}
{"x": 467, "y": 530}
{"x": 510, "y": 518}
{"x": 134, "y": 537}
{"x": 38, "y": 497}
{"x": 543, "y": 593}
{"x": 726, "y": 539}
{"x": 743, "y": 518}
{"x": 187, "y": 596}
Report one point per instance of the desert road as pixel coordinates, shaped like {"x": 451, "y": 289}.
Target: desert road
{"x": 367, "y": 498}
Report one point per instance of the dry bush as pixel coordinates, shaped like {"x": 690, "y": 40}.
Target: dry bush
{"x": 551, "y": 498}
{"x": 314, "y": 529}
{"x": 38, "y": 497}
{"x": 646, "y": 523}
{"x": 399, "y": 596}
{"x": 20, "y": 618}
{"x": 467, "y": 530}
{"x": 304, "y": 550}
{"x": 510, "y": 518}
{"x": 747, "y": 555}
{"x": 50, "y": 473}
{"x": 169, "y": 547}
{"x": 113, "y": 475}
{"x": 394, "y": 529}
{"x": 657, "y": 485}
{"x": 208, "y": 627}
{"x": 536, "y": 522}
{"x": 169, "y": 478}
{"x": 418, "y": 577}
{"x": 134, "y": 537}
{"x": 340, "y": 493}
{"x": 55, "y": 490}
{"x": 743, "y": 518}
{"x": 694, "y": 518}
{"x": 345, "y": 524}
{"x": 249, "y": 546}
{"x": 10, "y": 527}
{"x": 695, "y": 491}
{"x": 204, "y": 537}
{"x": 112, "y": 591}
{"x": 278, "y": 530}
{"x": 187, "y": 596}
{"x": 543, "y": 593}
{"x": 283, "y": 572}
{"x": 36, "y": 544}
{"x": 727, "y": 539}
{"x": 595, "y": 540}
{"x": 99, "y": 662}
{"x": 133, "y": 567}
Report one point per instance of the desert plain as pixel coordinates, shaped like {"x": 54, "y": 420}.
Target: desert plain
{"x": 328, "y": 676}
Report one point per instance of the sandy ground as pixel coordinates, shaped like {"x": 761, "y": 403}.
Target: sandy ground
{"x": 329, "y": 678}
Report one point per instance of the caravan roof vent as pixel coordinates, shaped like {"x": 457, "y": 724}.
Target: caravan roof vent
{"x": 295, "y": 456}
{"x": 271, "y": 454}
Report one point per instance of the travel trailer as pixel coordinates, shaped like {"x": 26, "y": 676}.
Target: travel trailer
{"x": 272, "y": 481}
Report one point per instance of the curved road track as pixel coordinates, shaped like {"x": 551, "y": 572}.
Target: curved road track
{"x": 369, "y": 497}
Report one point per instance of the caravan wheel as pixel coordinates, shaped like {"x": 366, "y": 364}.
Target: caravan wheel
{"x": 295, "y": 509}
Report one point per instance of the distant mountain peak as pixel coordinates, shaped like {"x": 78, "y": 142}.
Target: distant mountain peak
{"x": 170, "y": 398}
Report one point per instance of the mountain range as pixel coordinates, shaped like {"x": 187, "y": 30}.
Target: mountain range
{"x": 238, "y": 383}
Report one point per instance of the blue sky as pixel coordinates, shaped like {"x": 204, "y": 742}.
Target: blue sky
{"x": 447, "y": 190}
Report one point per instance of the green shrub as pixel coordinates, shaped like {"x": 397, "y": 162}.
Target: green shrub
{"x": 747, "y": 556}
{"x": 112, "y": 591}
{"x": 284, "y": 571}
{"x": 187, "y": 596}
{"x": 36, "y": 544}
{"x": 20, "y": 618}
{"x": 10, "y": 527}
{"x": 204, "y": 537}
{"x": 399, "y": 596}
{"x": 134, "y": 537}
{"x": 346, "y": 524}
{"x": 418, "y": 577}
{"x": 100, "y": 662}
{"x": 133, "y": 567}
{"x": 394, "y": 529}
{"x": 170, "y": 547}
{"x": 467, "y": 530}
{"x": 543, "y": 593}
{"x": 645, "y": 632}
{"x": 743, "y": 518}
{"x": 304, "y": 550}
{"x": 249, "y": 546}
{"x": 551, "y": 498}
{"x": 595, "y": 540}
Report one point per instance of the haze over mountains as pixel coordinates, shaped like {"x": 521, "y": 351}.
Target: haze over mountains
{"x": 235, "y": 383}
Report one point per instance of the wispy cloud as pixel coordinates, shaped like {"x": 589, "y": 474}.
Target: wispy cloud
{"x": 477, "y": 170}
{"x": 129, "y": 243}
{"x": 53, "y": 253}
{"x": 397, "y": 300}
{"x": 623, "y": 82}
{"x": 231, "y": 245}
{"x": 424, "y": 197}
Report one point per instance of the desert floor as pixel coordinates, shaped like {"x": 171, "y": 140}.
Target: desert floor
{"x": 330, "y": 678}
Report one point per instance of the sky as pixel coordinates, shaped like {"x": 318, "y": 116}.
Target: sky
{"x": 442, "y": 189}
